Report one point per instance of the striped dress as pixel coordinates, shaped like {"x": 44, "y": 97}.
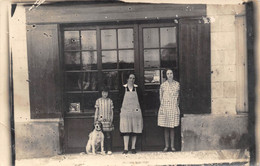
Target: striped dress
{"x": 169, "y": 112}
{"x": 104, "y": 113}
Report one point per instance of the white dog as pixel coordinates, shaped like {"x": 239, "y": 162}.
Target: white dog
{"x": 96, "y": 139}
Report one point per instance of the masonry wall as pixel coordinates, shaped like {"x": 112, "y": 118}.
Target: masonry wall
{"x": 224, "y": 128}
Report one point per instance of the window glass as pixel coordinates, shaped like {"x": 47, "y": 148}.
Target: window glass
{"x": 168, "y": 37}
{"x": 169, "y": 58}
{"x": 109, "y": 59}
{"x": 110, "y": 80}
{"x": 125, "y": 38}
{"x": 152, "y": 77}
{"x": 126, "y": 59}
{"x": 72, "y": 99}
{"x": 71, "y": 40}
{"x": 108, "y": 39}
{"x": 88, "y": 40}
{"x": 72, "y": 81}
{"x": 89, "y": 101}
{"x": 72, "y": 60}
{"x": 151, "y": 37}
{"x": 89, "y": 60}
{"x": 151, "y": 58}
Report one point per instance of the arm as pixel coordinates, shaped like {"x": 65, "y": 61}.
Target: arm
{"x": 112, "y": 112}
{"x": 96, "y": 112}
{"x": 161, "y": 93}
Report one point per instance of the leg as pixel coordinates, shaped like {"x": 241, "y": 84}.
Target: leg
{"x": 166, "y": 138}
{"x": 172, "y": 138}
{"x": 108, "y": 142}
{"x": 134, "y": 137}
{"x": 126, "y": 141}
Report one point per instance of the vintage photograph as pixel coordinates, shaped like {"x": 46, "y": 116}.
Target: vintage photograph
{"x": 132, "y": 83}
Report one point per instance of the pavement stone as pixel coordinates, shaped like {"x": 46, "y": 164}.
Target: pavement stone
{"x": 235, "y": 157}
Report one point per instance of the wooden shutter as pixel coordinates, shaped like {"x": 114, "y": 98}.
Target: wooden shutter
{"x": 44, "y": 71}
{"x": 194, "y": 65}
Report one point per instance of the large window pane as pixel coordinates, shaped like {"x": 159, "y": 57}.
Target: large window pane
{"x": 151, "y": 77}
{"x": 151, "y": 58}
{"x": 72, "y": 100}
{"x": 73, "y": 81}
{"x": 126, "y": 59}
{"x": 86, "y": 81}
{"x": 151, "y": 37}
{"x": 72, "y": 60}
{"x": 168, "y": 37}
{"x": 71, "y": 40}
{"x": 109, "y": 59}
{"x": 108, "y": 39}
{"x": 89, "y": 100}
{"x": 169, "y": 58}
{"x": 125, "y": 38}
{"x": 110, "y": 80}
{"x": 88, "y": 40}
{"x": 89, "y": 60}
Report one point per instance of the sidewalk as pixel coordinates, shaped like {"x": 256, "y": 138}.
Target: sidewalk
{"x": 220, "y": 157}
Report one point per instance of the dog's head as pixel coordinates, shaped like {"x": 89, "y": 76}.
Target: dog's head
{"x": 98, "y": 126}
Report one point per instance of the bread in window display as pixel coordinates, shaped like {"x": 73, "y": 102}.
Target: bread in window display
{"x": 74, "y": 107}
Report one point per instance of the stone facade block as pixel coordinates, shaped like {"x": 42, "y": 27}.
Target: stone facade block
{"x": 223, "y": 57}
{"x": 229, "y": 73}
{"x": 37, "y": 139}
{"x": 223, "y": 106}
{"x": 212, "y": 132}
{"x": 216, "y": 89}
{"x": 229, "y": 89}
{"x": 225, "y": 9}
{"x": 224, "y": 23}
{"x": 223, "y": 41}
{"x": 217, "y": 73}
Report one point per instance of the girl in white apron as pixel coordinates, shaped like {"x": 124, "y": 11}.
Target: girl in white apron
{"x": 131, "y": 121}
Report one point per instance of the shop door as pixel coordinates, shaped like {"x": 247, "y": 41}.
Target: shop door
{"x": 158, "y": 51}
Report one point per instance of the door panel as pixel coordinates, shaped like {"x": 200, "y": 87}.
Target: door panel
{"x": 194, "y": 53}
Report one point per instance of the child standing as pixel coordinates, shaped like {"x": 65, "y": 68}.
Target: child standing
{"x": 104, "y": 114}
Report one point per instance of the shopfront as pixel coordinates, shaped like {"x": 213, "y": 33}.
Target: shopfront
{"x": 79, "y": 48}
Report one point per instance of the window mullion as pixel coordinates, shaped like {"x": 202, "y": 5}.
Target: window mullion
{"x": 99, "y": 57}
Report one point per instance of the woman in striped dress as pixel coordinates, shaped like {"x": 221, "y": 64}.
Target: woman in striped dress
{"x": 169, "y": 113}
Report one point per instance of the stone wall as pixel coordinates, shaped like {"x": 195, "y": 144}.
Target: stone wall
{"x": 223, "y": 57}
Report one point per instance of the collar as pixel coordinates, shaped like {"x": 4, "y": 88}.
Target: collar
{"x": 134, "y": 85}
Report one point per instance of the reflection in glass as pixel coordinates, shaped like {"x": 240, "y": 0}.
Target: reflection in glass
{"x": 151, "y": 37}
{"x": 88, "y": 81}
{"x": 72, "y": 60}
{"x": 151, "y": 58}
{"x": 151, "y": 77}
{"x": 125, "y": 38}
{"x": 72, "y": 81}
{"x": 89, "y": 60}
{"x": 110, "y": 80}
{"x": 71, "y": 40}
{"x": 168, "y": 37}
{"x": 169, "y": 58}
{"x": 109, "y": 59}
{"x": 126, "y": 59}
{"x": 88, "y": 40}
{"x": 108, "y": 39}
{"x": 73, "y": 98}
{"x": 89, "y": 101}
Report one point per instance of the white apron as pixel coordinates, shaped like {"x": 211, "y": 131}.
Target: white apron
{"x": 131, "y": 120}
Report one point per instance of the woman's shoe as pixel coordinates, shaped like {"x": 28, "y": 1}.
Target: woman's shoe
{"x": 133, "y": 151}
{"x": 125, "y": 151}
{"x": 173, "y": 149}
{"x": 165, "y": 149}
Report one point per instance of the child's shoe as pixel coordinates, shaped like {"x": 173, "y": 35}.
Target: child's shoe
{"x": 109, "y": 152}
